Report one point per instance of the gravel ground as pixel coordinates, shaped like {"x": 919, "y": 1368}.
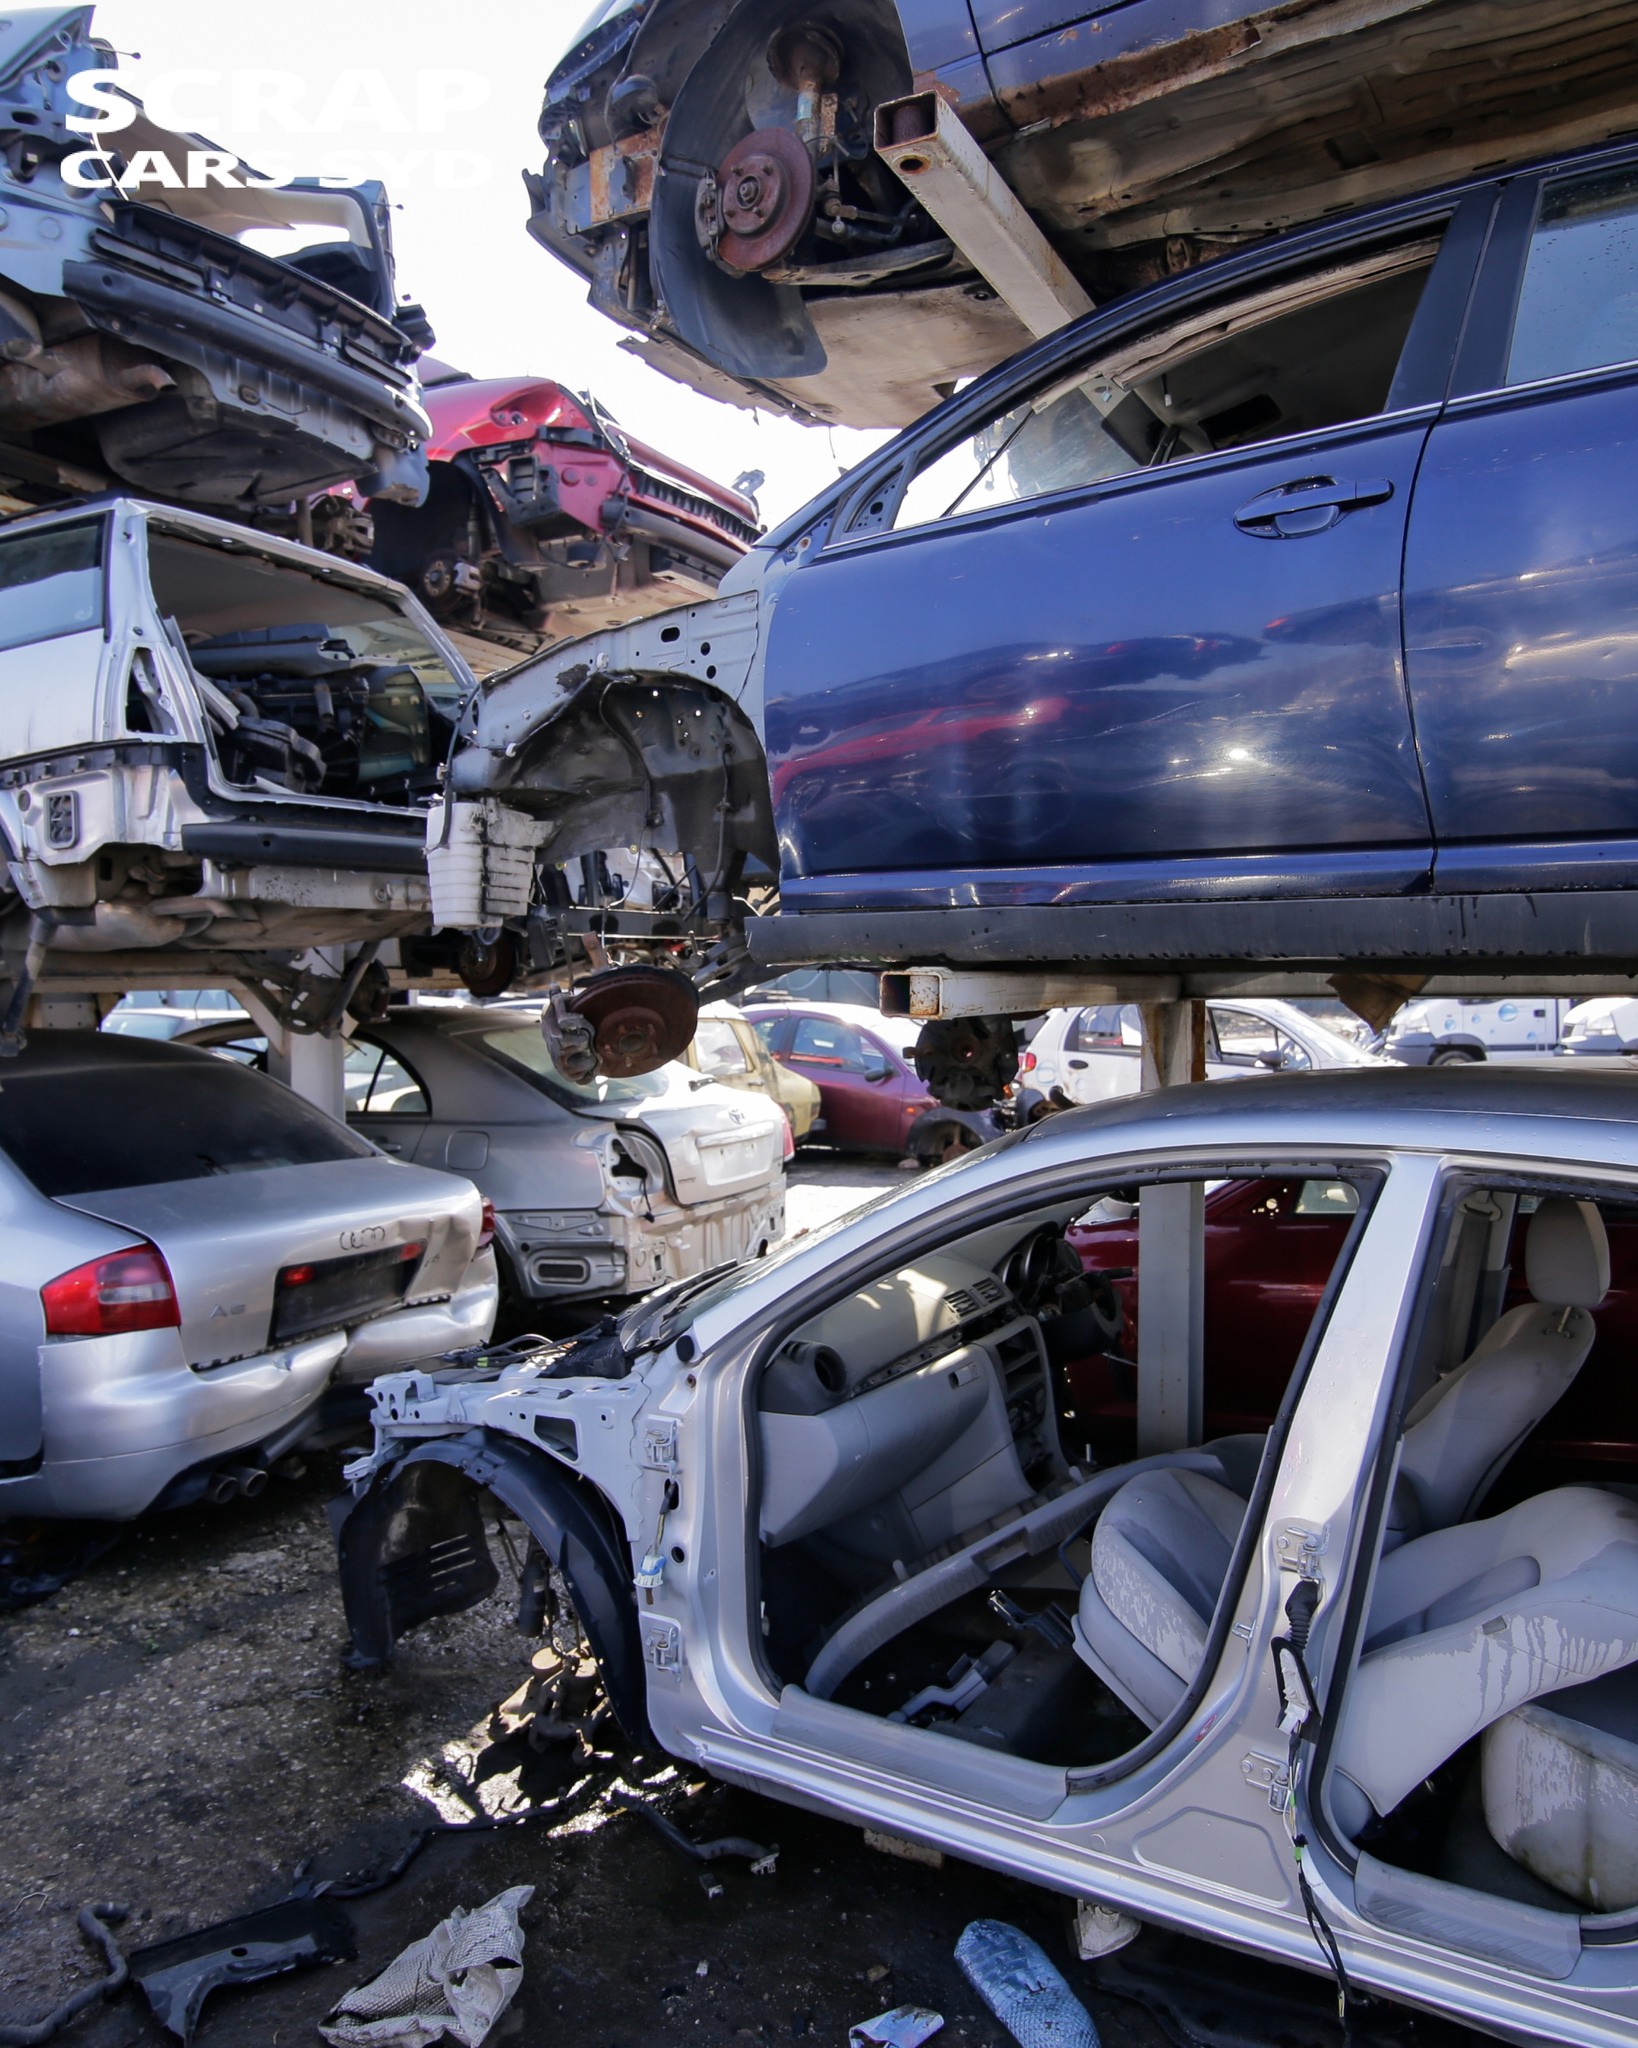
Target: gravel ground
{"x": 177, "y": 1733}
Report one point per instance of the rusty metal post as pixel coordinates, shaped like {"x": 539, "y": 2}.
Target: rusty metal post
{"x": 925, "y": 143}
{"x": 1171, "y": 1255}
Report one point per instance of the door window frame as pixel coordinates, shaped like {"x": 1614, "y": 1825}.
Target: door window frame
{"x": 1458, "y": 1178}
{"x": 1370, "y": 1170}
{"x": 865, "y": 515}
{"x": 1481, "y": 361}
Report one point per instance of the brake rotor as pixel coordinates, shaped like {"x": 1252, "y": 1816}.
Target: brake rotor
{"x": 623, "y": 1022}
{"x": 967, "y": 1062}
{"x": 766, "y": 185}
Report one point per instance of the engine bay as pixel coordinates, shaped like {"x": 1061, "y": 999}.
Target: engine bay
{"x": 310, "y": 686}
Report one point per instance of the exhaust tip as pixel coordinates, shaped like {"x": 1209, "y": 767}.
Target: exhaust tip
{"x": 221, "y": 1487}
{"x": 250, "y": 1480}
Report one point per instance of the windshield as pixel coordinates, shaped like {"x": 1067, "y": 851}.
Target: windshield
{"x": 661, "y": 1316}
{"x": 522, "y": 1046}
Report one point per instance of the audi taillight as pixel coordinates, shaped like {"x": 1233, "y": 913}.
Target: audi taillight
{"x": 130, "y": 1290}
{"x": 486, "y": 1229}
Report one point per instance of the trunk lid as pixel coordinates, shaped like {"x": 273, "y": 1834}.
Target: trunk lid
{"x": 718, "y": 1141}
{"x": 350, "y": 1221}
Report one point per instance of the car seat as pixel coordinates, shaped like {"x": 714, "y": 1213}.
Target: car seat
{"x": 1161, "y": 1549}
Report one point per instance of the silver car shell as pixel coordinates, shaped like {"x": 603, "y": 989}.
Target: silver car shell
{"x": 601, "y": 1191}
{"x": 1190, "y": 1829}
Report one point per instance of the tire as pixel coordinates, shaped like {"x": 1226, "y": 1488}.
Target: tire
{"x": 1455, "y": 1056}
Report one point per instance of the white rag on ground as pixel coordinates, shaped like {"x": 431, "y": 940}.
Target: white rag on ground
{"x": 457, "y": 1980}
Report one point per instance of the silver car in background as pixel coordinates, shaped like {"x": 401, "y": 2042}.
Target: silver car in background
{"x": 164, "y": 1336}
{"x": 600, "y": 1190}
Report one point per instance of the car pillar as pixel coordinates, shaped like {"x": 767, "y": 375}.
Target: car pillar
{"x": 1171, "y": 1254}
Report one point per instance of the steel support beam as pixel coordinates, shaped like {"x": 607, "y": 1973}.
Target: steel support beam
{"x": 922, "y": 139}
{"x": 1171, "y": 1255}
{"x": 937, "y": 992}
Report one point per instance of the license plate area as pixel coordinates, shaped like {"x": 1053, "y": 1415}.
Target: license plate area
{"x": 326, "y": 1294}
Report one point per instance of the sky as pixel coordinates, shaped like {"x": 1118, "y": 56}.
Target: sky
{"x": 442, "y": 102}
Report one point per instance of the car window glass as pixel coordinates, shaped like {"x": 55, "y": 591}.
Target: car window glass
{"x": 377, "y": 1084}
{"x": 828, "y": 1044}
{"x": 51, "y": 583}
{"x": 1244, "y": 1039}
{"x": 1326, "y": 1198}
{"x": 1107, "y": 1027}
{"x": 1302, "y": 354}
{"x": 1578, "y": 305}
{"x": 72, "y": 1129}
{"x": 717, "y": 1047}
{"x": 765, "y": 1028}
{"x": 1293, "y": 1057}
{"x": 521, "y": 1046}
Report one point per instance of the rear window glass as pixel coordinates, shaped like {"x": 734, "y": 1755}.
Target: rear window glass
{"x": 103, "y": 1126}
{"x": 1578, "y": 307}
{"x": 51, "y": 583}
{"x": 522, "y": 1046}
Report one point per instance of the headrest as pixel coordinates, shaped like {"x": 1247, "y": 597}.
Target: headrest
{"x": 1567, "y": 1254}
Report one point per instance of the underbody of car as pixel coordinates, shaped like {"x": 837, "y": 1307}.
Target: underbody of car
{"x": 712, "y": 169}
{"x": 829, "y": 1532}
{"x": 151, "y": 335}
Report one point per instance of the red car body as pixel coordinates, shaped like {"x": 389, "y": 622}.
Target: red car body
{"x": 1266, "y": 1269}
{"x": 870, "y": 1094}
{"x": 544, "y": 519}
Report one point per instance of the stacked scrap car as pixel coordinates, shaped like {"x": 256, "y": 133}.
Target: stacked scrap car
{"x": 221, "y": 342}
{"x": 544, "y": 519}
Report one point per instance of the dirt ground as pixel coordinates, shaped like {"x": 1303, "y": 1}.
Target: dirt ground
{"x": 179, "y": 1734}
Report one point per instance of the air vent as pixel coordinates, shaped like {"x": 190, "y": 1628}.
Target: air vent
{"x": 965, "y": 1302}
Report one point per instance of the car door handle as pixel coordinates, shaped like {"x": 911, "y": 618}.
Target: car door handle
{"x": 1308, "y": 504}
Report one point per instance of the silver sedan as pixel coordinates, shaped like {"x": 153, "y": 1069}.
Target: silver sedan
{"x": 192, "y": 1255}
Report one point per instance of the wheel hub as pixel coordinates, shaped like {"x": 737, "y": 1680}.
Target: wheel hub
{"x": 767, "y": 188}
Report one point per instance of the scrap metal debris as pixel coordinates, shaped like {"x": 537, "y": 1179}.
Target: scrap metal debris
{"x": 905, "y": 2026}
{"x": 761, "y": 1860}
{"x": 457, "y": 1980}
{"x": 97, "y": 1924}
{"x": 1018, "y": 1983}
{"x": 178, "y": 1976}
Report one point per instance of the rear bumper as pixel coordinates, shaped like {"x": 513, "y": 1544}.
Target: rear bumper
{"x": 621, "y": 1253}
{"x": 123, "y": 1416}
{"x": 409, "y": 1335}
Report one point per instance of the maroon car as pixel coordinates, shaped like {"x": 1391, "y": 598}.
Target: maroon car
{"x": 1270, "y": 1248}
{"x": 870, "y": 1095}
{"x": 544, "y": 519}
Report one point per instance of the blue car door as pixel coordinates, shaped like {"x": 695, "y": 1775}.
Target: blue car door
{"x": 1129, "y": 626}
{"x": 1521, "y": 580}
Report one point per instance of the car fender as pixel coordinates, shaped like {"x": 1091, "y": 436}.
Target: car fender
{"x": 410, "y": 1544}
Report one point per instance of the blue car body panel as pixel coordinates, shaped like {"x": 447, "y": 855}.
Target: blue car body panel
{"x": 1521, "y": 625}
